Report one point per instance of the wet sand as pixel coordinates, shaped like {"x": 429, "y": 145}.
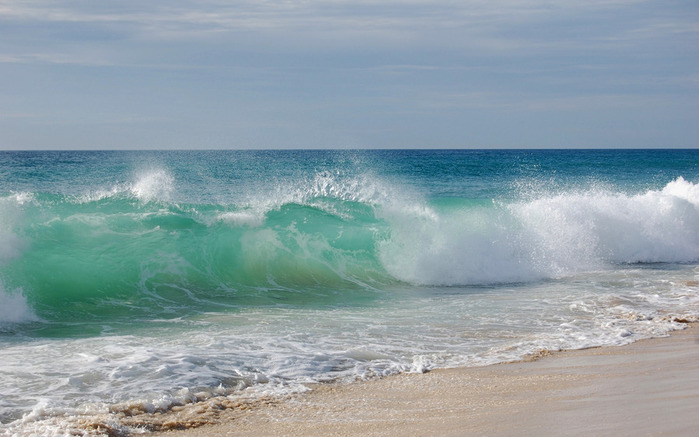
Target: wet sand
{"x": 650, "y": 387}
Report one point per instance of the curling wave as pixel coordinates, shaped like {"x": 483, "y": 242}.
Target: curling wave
{"x": 142, "y": 254}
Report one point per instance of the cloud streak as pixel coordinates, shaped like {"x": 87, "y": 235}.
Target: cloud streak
{"x": 492, "y": 28}
{"x": 345, "y": 66}
{"x": 184, "y": 19}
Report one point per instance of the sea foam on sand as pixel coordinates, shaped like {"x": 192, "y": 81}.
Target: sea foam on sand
{"x": 650, "y": 387}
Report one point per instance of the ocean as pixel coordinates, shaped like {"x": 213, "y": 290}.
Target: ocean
{"x": 135, "y": 282}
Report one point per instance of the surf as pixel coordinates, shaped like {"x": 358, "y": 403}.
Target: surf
{"x": 133, "y": 252}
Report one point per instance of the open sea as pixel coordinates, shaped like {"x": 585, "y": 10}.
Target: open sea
{"x": 132, "y": 283}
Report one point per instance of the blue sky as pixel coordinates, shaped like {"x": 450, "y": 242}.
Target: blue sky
{"x": 87, "y": 74}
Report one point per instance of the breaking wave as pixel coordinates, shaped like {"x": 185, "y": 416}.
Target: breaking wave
{"x": 135, "y": 250}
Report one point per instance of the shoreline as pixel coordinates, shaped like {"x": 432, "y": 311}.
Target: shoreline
{"x": 648, "y": 387}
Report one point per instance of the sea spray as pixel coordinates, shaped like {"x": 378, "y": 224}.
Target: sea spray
{"x": 153, "y": 184}
{"x": 14, "y": 308}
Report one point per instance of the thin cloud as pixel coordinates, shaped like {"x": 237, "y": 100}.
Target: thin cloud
{"x": 18, "y": 115}
{"x": 185, "y": 17}
{"x": 236, "y": 66}
{"x": 55, "y": 58}
{"x": 508, "y": 27}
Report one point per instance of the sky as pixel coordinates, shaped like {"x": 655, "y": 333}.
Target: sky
{"x": 251, "y": 74}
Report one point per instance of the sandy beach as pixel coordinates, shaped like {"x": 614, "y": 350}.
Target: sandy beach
{"x": 650, "y": 387}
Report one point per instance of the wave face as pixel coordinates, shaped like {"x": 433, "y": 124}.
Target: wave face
{"x": 119, "y": 255}
{"x": 174, "y": 236}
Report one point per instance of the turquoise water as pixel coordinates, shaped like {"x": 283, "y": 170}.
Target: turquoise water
{"x": 141, "y": 277}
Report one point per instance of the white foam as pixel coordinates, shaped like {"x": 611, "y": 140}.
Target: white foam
{"x": 153, "y": 184}
{"x": 548, "y": 236}
{"x": 580, "y": 229}
{"x": 14, "y": 307}
{"x": 682, "y": 189}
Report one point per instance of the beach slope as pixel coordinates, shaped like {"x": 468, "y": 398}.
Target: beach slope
{"x": 649, "y": 387}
